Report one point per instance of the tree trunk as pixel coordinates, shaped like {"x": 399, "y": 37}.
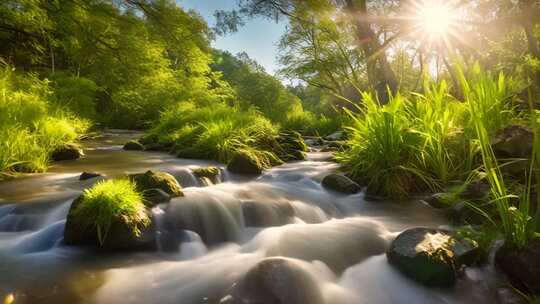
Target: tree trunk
{"x": 380, "y": 72}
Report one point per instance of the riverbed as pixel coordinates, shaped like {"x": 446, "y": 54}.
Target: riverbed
{"x": 339, "y": 239}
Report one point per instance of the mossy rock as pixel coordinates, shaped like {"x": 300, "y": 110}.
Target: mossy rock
{"x": 429, "y": 256}
{"x": 133, "y": 145}
{"x": 189, "y": 153}
{"x": 245, "y": 163}
{"x": 291, "y": 146}
{"x": 157, "y": 180}
{"x": 149, "y": 139}
{"x": 211, "y": 173}
{"x": 277, "y": 280}
{"x": 521, "y": 265}
{"x": 112, "y": 219}
{"x": 67, "y": 152}
{"x": 89, "y": 175}
{"x": 154, "y": 197}
{"x": 340, "y": 183}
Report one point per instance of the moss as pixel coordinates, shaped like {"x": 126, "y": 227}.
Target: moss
{"x": 244, "y": 162}
{"x": 111, "y": 202}
{"x": 210, "y": 173}
{"x": 157, "y": 180}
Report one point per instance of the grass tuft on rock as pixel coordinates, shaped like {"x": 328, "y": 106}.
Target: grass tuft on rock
{"x": 110, "y": 202}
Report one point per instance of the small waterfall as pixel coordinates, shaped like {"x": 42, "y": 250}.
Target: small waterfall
{"x": 157, "y": 217}
{"x": 41, "y": 240}
{"x": 186, "y": 178}
{"x": 215, "y": 216}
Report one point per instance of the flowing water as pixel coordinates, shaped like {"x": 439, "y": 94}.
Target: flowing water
{"x": 338, "y": 240}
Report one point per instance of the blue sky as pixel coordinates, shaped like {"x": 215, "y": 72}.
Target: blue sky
{"x": 258, "y": 38}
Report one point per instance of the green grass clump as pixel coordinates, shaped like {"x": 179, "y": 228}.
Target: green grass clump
{"x": 31, "y": 127}
{"x": 308, "y": 123}
{"x": 482, "y": 93}
{"x": 112, "y": 202}
{"x": 383, "y": 149}
{"x": 218, "y": 131}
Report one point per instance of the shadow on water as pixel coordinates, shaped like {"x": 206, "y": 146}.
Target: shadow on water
{"x": 212, "y": 237}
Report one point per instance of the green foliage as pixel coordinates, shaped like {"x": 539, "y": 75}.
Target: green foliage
{"x": 483, "y": 95}
{"x": 309, "y": 123}
{"x": 218, "y": 131}
{"x": 75, "y": 94}
{"x": 31, "y": 126}
{"x": 112, "y": 202}
{"x": 384, "y": 149}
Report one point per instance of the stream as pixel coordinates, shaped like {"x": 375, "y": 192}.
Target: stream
{"x": 340, "y": 240}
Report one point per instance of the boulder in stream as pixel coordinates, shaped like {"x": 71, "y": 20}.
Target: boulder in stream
{"x": 340, "y": 183}
{"x": 211, "y": 173}
{"x": 245, "y": 163}
{"x": 155, "y": 196}
{"x": 88, "y": 175}
{"x": 133, "y": 145}
{"x": 522, "y": 265}
{"x": 276, "y": 281}
{"x": 266, "y": 214}
{"x": 67, "y": 152}
{"x": 430, "y": 256}
{"x": 110, "y": 216}
{"x": 159, "y": 180}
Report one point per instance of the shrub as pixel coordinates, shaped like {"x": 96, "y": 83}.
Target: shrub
{"x": 382, "y": 150}
{"x": 218, "y": 131}
{"x": 110, "y": 202}
{"x": 30, "y": 127}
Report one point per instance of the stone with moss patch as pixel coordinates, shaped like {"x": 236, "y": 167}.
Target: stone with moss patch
{"x": 292, "y": 146}
{"x": 245, "y": 163}
{"x": 430, "y": 256}
{"x": 67, "y": 152}
{"x": 112, "y": 216}
{"x": 133, "y": 145}
{"x": 157, "y": 180}
{"x": 340, "y": 183}
{"x": 211, "y": 173}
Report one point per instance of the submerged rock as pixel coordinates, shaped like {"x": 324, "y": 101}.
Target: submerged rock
{"x": 67, "y": 152}
{"x": 213, "y": 220}
{"x": 159, "y": 180}
{"x": 276, "y": 281}
{"x": 211, "y": 173}
{"x": 259, "y": 214}
{"x": 133, "y": 145}
{"x": 429, "y": 256}
{"x": 340, "y": 183}
{"x": 155, "y": 197}
{"x": 119, "y": 237}
{"x": 522, "y": 265}
{"x": 88, "y": 175}
{"x": 244, "y": 163}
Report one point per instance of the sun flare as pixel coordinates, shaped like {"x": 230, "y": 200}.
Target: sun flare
{"x": 436, "y": 20}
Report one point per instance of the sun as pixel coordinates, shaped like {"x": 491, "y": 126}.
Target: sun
{"x": 435, "y": 20}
